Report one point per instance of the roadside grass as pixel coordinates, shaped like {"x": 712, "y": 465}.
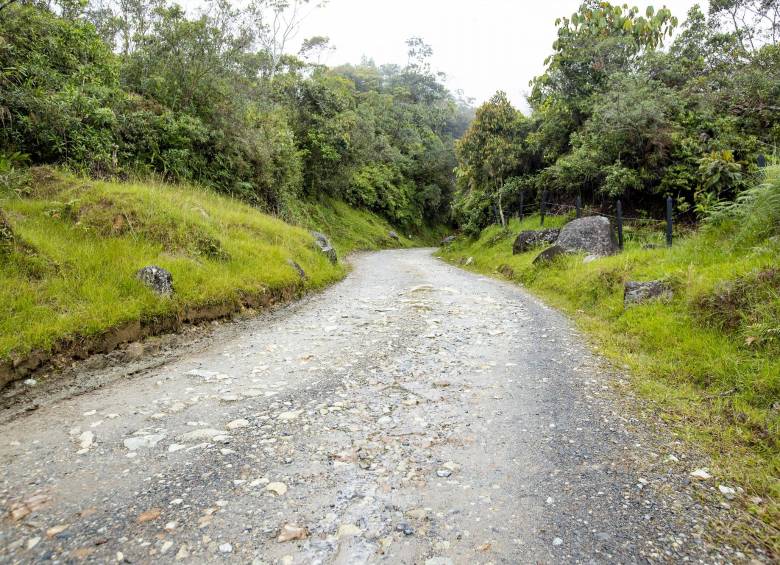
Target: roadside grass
{"x": 708, "y": 360}
{"x": 70, "y": 270}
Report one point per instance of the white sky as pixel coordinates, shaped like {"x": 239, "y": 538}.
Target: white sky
{"x": 482, "y": 45}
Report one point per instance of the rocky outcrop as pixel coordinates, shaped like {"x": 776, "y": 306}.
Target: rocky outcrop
{"x": 534, "y": 238}
{"x": 324, "y": 245}
{"x": 549, "y": 254}
{"x": 156, "y": 278}
{"x": 298, "y": 269}
{"x": 593, "y": 235}
{"x": 639, "y": 292}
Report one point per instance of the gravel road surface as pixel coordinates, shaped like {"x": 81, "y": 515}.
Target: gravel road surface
{"x": 413, "y": 413}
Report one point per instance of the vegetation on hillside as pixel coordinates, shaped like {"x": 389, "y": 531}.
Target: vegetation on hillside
{"x": 710, "y": 357}
{"x": 68, "y": 261}
{"x": 615, "y": 115}
{"x": 141, "y": 87}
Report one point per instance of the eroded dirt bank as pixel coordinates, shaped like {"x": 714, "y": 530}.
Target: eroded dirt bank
{"x": 413, "y": 413}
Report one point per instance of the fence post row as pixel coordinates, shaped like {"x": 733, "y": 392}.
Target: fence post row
{"x": 541, "y": 207}
{"x": 669, "y": 205}
{"x": 620, "y": 223}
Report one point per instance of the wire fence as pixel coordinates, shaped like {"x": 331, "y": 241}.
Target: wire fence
{"x": 544, "y": 207}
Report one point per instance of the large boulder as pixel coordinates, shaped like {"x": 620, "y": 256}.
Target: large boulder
{"x": 323, "y": 243}
{"x": 592, "y": 234}
{"x": 156, "y": 278}
{"x": 549, "y": 254}
{"x": 640, "y": 292}
{"x": 534, "y": 238}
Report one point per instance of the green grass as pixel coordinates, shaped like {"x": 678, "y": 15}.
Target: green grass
{"x": 708, "y": 360}
{"x": 78, "y": 243}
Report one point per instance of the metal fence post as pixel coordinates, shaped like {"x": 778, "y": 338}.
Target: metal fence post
{"x": 522, "y": 198}
{"x": 542, "y": 206}
{"x": 620, "y": 223}
{"x": 669, "y": 206}
{"x": 578, "y": 205}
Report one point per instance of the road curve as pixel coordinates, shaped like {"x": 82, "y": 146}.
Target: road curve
{"x": 413, "y": 413}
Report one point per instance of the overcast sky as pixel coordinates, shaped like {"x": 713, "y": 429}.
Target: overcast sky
{"x": 482, "y": 45}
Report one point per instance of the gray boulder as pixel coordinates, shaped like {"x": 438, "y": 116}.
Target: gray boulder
{"x": 640, "y": 292}
{"x": 323, "y": 243}
{"x": 156, "y": 278}
{"x": 393, "y": 235}
{"x": 592, "y": 234}
{"x": 447, "y": 240}
{"x": 549, "y": 254}
{"x": 534, "y": 238}
{"x": 298, "y": 269}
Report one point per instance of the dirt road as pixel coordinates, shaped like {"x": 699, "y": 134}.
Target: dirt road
{"x": 413, "y": 413}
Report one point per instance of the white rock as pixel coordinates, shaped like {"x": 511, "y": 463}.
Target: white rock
{"x": 143, "y": 442}
{"x": 86, "y": 439}
{"x": 291, "y": 415}
{"x": 201, "y": 434}
{"x": 174, "y": 447}
{"x": 277, "y": 488}
{"x": 166, "y": 546}
{"x": 226, "y": 548}
{"x": 348, "y": 530}
{"x": 557, "y": 541}
{"x": 236, "y": 424}
{"x": 728, "y": 492}
{"x": 701, "y": 474}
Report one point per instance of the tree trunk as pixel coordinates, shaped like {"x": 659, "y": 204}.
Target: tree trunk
{"x": 501, "y": 208}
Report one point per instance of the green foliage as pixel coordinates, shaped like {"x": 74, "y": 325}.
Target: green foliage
{"x": 215, "y": 99}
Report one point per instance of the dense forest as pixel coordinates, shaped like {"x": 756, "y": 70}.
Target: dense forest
{"x": 139, "y": 87}
{"x": 617, "y": 114}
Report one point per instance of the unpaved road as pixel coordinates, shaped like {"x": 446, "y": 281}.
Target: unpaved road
{"x": 413, "y": 413}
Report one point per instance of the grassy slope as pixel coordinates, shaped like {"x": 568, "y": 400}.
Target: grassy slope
{"x": 718, "y": 388}
{"x": 81, "y": 241}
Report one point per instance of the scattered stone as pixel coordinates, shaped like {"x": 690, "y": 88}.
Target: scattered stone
{"x": 469, "y": 261}
{"x": 279, "y": 489}
{"x": 592, "y": 234}
{"x": 393, "y": 235}
{"x": 174, "y": 447}
{"x": 30, "y": 382}
{"x": 443, "y": 473}
{"x": 557, "y": 541}
{"x": 236, "y": 424}
{"x": 348, "y": 530}
{"x": 165, "y": 547}
{"x": 640, "y": 292}
{"x": 183, "y": 553}
{"x": 22, "y": 509}
{"x": 32, "y": 542}
{"x": 225, "y": 548}
{"x": 729, "y": 492}
{"x": 549, "y": 254}
{"x": 290, "y": 532}
{"x": 201, "y": 434}
{"x": 405, "y": 527}
{"x": 156, "y": 278}
{"x": 701, "y": 474}
{"x": 291, "y": 415}
{"x": 86, "y": 439}
{"x": 529, "y": 239}
{"x": 298, "y": 269}
{"x": 143, "y": 442}
{"x": 53, "y": 531}
{"x": 324, "y": 245}
{"x": 149, "y": 516}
